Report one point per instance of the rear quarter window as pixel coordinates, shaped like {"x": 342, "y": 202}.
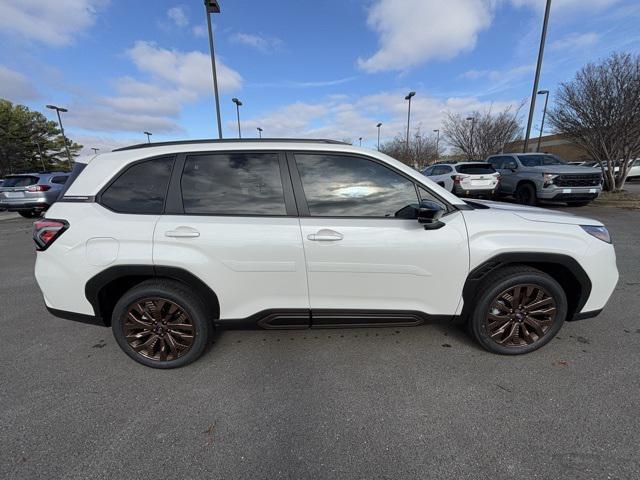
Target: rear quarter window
{"x": 60, "y": 180}
{"x": 141, "y": 188}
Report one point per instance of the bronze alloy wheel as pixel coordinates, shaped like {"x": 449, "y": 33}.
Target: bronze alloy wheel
{"x": 521, "y": 315}
{"x": 158, "y": 329}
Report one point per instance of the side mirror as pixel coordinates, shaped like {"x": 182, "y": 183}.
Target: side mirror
{"x": 429, "y": 214}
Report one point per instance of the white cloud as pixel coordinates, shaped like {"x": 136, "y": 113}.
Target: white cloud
{"x": 499, "y": 79}
{"x": 54, "y": 23}
{"x": 199, "y": 31}
{"x": 16, "y": 87}
{"x": 175, "y": 78}
{"x": 575, "y": 41}
{"x": 340, "y": 117}
{"x": 104, "y": 143}
{"x": 178, "y": 15}
{"x": 187, "y": 70}
{"x": 262, "y": 43}
{"x": 414, "y": 31}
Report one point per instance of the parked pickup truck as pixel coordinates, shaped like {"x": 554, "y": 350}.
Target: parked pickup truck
{"x": 531, "y": 177}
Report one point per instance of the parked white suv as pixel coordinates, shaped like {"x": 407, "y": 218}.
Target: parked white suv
{"x": 165, "y": 242}
{"x": 471, "y": 179}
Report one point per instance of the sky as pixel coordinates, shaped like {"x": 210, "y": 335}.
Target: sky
{"x": 302, "y": 68}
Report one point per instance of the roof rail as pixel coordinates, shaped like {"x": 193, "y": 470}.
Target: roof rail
{"x": 228, "y": 140}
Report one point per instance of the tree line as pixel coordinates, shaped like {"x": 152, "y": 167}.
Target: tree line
{"x": 598, "y": 110}
{"x": 29, "y": 142}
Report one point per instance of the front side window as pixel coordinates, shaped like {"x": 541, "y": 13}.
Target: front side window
{"x": 540, "y": 160}
{"x": 347, "y": 186}
{"x": 141, "y": 189}
{"x": 233, "y": 184}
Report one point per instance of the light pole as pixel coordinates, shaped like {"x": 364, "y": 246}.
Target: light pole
{"x": 212, "y": 6}
{"x": 260, "y": 132}
{"x": 64, "y": 138}
{"x": 148, "y": 134}
{"x": 95, "y": 150}
{"x": 537, "y": 77}
{"x": 473, "y": 123}
{"x": 437, "y": 132}
{"x": 378, "y": 126}
{"x": 360, "y": 141}
{"x": 238, "y": 105}
{"x": 409, "y": 96}
{"x": 544, "y": 114}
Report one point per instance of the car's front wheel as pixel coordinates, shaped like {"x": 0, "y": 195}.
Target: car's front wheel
{"x": 161, "y": 324}
{"x": 518, "y": 309}
{"x": 526, "y": 194}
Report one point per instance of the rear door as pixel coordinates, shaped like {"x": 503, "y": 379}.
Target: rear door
{"x": 363, "y": 255}
{"x": 231, "y": 220}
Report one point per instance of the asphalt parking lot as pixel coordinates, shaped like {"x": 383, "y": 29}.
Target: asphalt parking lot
{"x": 422, "y": 402}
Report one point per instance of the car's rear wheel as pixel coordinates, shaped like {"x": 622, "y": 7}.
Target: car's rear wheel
{"x": 526, "y": 194}
{"x": 518, "y": 309}
{"x": 161, "y": 324}
{"x": 29, "y": 213}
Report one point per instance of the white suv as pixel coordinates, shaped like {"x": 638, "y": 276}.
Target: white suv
{"x": 165, "y": 242}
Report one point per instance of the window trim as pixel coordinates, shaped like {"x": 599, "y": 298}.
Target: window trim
{"x": 301, "y": 199}
{"x": 174, "y": 204}
{"x": 125, "y": 169}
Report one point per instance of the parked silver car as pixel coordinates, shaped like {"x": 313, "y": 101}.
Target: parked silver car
{"x": 530, "y": 177}
{"x": 30, "y": 194}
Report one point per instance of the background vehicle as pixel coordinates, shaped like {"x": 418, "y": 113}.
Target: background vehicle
{"x": 30, "y": 194}
{"x": 530, "y": 177}
{"x": 165, "y": 242}
{"x": 465, "y": 178}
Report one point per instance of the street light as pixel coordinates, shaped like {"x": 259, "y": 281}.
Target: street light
{"x": 378, "y": 126}
{"x": 95, "y": 150}
{"x": 409, "y": 97}
{"x": 437, "y": 132}
{"x": 260, "y": 132}
{"x": 212, "y": 6}
{"x": 537, "y": 77}
{"x": 148, "y": 134}
{"x": 64, "y": 138}
{"x": 238, "y": 105}
{"x": 544, "y": 114}
{"x": 473, "y": 123}
{"x": 360, "y": 141}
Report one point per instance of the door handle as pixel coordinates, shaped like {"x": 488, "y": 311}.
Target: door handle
{"x": 182, "y": 232}
{"x": 325, "y": 235}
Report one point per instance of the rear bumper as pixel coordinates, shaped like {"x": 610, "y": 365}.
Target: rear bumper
{"x": 474, "y": 191}
{"x": 24, "y": 204}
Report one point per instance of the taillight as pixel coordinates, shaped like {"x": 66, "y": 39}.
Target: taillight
{"x": 38, "y": 188}
{"x": 46, "y": 231}
{"x": 458, "y": 178}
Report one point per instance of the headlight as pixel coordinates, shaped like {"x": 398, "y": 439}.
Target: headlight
{"x": 548, "y": 178}
{"x": 601, "y": 233}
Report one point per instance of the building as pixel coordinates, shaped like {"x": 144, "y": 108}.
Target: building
{"x": 557, "y": 144}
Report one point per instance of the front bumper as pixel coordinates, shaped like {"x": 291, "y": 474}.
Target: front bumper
{"x": 562, "y": 194}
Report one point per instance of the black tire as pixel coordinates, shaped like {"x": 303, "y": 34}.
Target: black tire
{"x": 491, "y": 290}
{"x": 526, "y": 194}
{"x": 578, "y": 204}
{"x": 28, "y": 213}
{"x": 171, "y": 292}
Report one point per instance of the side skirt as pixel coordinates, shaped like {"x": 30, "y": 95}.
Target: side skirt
{"x": 326, "y": 318}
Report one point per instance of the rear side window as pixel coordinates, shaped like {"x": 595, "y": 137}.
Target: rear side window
{"x": 61, "y": 180}
{"x": 475, "y": 168}
{"x": 20, "y": 181}
{"x": 142, "y": 188}
{"x": 233, "y": 184}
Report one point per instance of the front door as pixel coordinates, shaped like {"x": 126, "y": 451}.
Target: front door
{"x": 361, "y": 255}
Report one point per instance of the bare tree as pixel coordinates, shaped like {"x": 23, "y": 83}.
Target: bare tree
{"x": 599, "y": 110}
{"x": 421, "y": 151}
{"x": 482, "y": 133}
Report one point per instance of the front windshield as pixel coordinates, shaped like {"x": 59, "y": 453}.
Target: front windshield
{"x": 540, "y": 160}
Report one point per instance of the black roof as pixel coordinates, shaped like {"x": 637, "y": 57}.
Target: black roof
{"x": 228, "y": 140}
